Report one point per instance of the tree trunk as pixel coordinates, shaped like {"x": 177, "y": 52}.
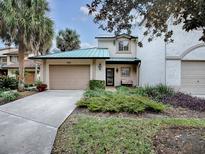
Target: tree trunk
{"x": 21, "y": 66}
{"x": 36, "y": 65}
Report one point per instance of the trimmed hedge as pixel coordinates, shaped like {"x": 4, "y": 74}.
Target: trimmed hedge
{"x": 97, "y": 84}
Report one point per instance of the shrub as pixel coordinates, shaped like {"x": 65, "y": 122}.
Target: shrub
{"x": 8, "y": 83}
{"x": 157, "y": 93}
{"x": 120, "y": 103}
{"x": 38, "y": 82}
{"x": 9, "y": 96}
{"x": 97, "y": 93}
{"x": 28, "y": 85}
{"x": 97, "y": 84}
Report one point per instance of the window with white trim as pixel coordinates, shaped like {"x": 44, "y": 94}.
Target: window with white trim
{"x": 124, "y": 45}
{"x": 4, "y": 60}
{"x": 125, "y": 71}
{"x": 14, "y": 59}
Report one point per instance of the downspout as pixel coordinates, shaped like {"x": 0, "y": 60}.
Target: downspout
{"x": 138, "y": 74}
{"x": 165, "y": 65}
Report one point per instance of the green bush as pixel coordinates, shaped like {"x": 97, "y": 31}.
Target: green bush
{"x": 8, "y": 83}
{"x": 38, "y": 82}
{"x": 139, "y": 91}
{"x": 158, "y": 92}
{"x": 97, "y": 84}
{"x": 154, "y": 92}
{"x": 28, "y": 85}
{"x": 120, "y": 103}
{"x": 97, "y": 93}
{"x": 9, "y": 96}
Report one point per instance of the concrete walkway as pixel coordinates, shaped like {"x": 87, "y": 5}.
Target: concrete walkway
{"x": 29, "y": 125}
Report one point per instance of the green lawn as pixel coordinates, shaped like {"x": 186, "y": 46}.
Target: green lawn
{"x": 96, "y": 134}
{"x": 100, "y": 135}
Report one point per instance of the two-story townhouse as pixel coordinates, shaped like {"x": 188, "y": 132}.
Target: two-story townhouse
{"x": 123, "y": 66}
{"x": 119, "y": 61}
{"x": 10, "y": 65}
{"x": 3, "y": 61}
{"x": 114, "y": 61}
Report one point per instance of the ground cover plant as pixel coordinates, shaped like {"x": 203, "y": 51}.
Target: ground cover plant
{"x": 91, "y": 134}
{"x": 9, "y": 96}
{"x": 166, "y": 95}
{"x": 103, "y": 101}
{"x": 186, "y": 101}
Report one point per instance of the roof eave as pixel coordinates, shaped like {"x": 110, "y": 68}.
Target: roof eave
{"x": 124, "y": 62}
{"x": 17, "y": 67}
{"x": 35, "y": 58}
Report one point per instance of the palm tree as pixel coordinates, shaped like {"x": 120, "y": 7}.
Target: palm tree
{"x": 24, "y": 22}
{"x": 67, "y": 40}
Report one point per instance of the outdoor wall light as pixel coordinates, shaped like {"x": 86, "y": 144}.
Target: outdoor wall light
{"x": 117, "y": 70}
{"x": 100, "y": 66}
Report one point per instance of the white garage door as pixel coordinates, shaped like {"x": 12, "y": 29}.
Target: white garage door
{"x": 193, "y": 77}
{"x": 69, "y": 77}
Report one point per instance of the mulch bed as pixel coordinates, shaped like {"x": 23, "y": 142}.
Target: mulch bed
{"x": 22, "y": 95}
{"x": 180, "y": 140}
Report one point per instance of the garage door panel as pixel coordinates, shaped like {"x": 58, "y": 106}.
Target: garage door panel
{"x": 69, "y": 77}
{"x": 193, "y": 77}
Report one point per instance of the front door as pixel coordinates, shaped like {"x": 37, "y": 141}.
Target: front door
{"x": 110, "y": 76}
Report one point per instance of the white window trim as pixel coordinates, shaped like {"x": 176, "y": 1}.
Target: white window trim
{"x": 130, "y": 70}
{"x": 123, "y": 52}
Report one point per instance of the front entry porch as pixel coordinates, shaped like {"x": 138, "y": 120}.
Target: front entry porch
{"x": 122, "y": 72}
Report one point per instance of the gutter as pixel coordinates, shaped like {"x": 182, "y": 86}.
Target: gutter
{"x": 33, "y": 58}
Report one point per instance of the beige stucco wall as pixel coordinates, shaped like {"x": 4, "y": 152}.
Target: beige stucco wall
{"x": 11, "y": 72}
{"x": 112, "y": 45}
{"x": 95, "y": 73}
{"x": 118, "y": 77}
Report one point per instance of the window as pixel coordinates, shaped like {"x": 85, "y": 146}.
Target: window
{"x": 13, "y": 59}
{"x": 125, "y": 71}
{"x": 4, "y": 60}
{"x": 124, "y": 46}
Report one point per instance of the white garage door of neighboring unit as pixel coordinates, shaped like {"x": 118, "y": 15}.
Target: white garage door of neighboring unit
{"x": 69, "y": 77}
{"x": 193, "y": 77}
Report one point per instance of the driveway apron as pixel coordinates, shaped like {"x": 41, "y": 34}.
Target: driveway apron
{"x": 29, "y": 125}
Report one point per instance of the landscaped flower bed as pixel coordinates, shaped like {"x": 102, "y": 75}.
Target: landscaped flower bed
{"x": 183, "y": 100}
{"x": 9, "y": 96}
{"x": 167, "y": 95}
{"x": 102, "y": 101}
{"x": 135, "y": 100}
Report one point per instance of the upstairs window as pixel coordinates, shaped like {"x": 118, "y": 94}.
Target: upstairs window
{"x": 13, "y": 59}
{"x": 124, "y": 46}
{"x": 4, "y": 60}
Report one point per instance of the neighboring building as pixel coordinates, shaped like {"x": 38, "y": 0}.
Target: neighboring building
{"x": 119, "y": 61}
{"x": 10, "y": 65}
{"x": 3, "y": 62}
{"x": 180, "y": 65}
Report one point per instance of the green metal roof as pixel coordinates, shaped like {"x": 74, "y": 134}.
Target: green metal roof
{"x": 123, "y": 60}
{"x": 90, "y": 53}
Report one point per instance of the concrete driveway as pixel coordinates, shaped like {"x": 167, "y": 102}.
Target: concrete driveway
{"x": 29, "y": 125}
